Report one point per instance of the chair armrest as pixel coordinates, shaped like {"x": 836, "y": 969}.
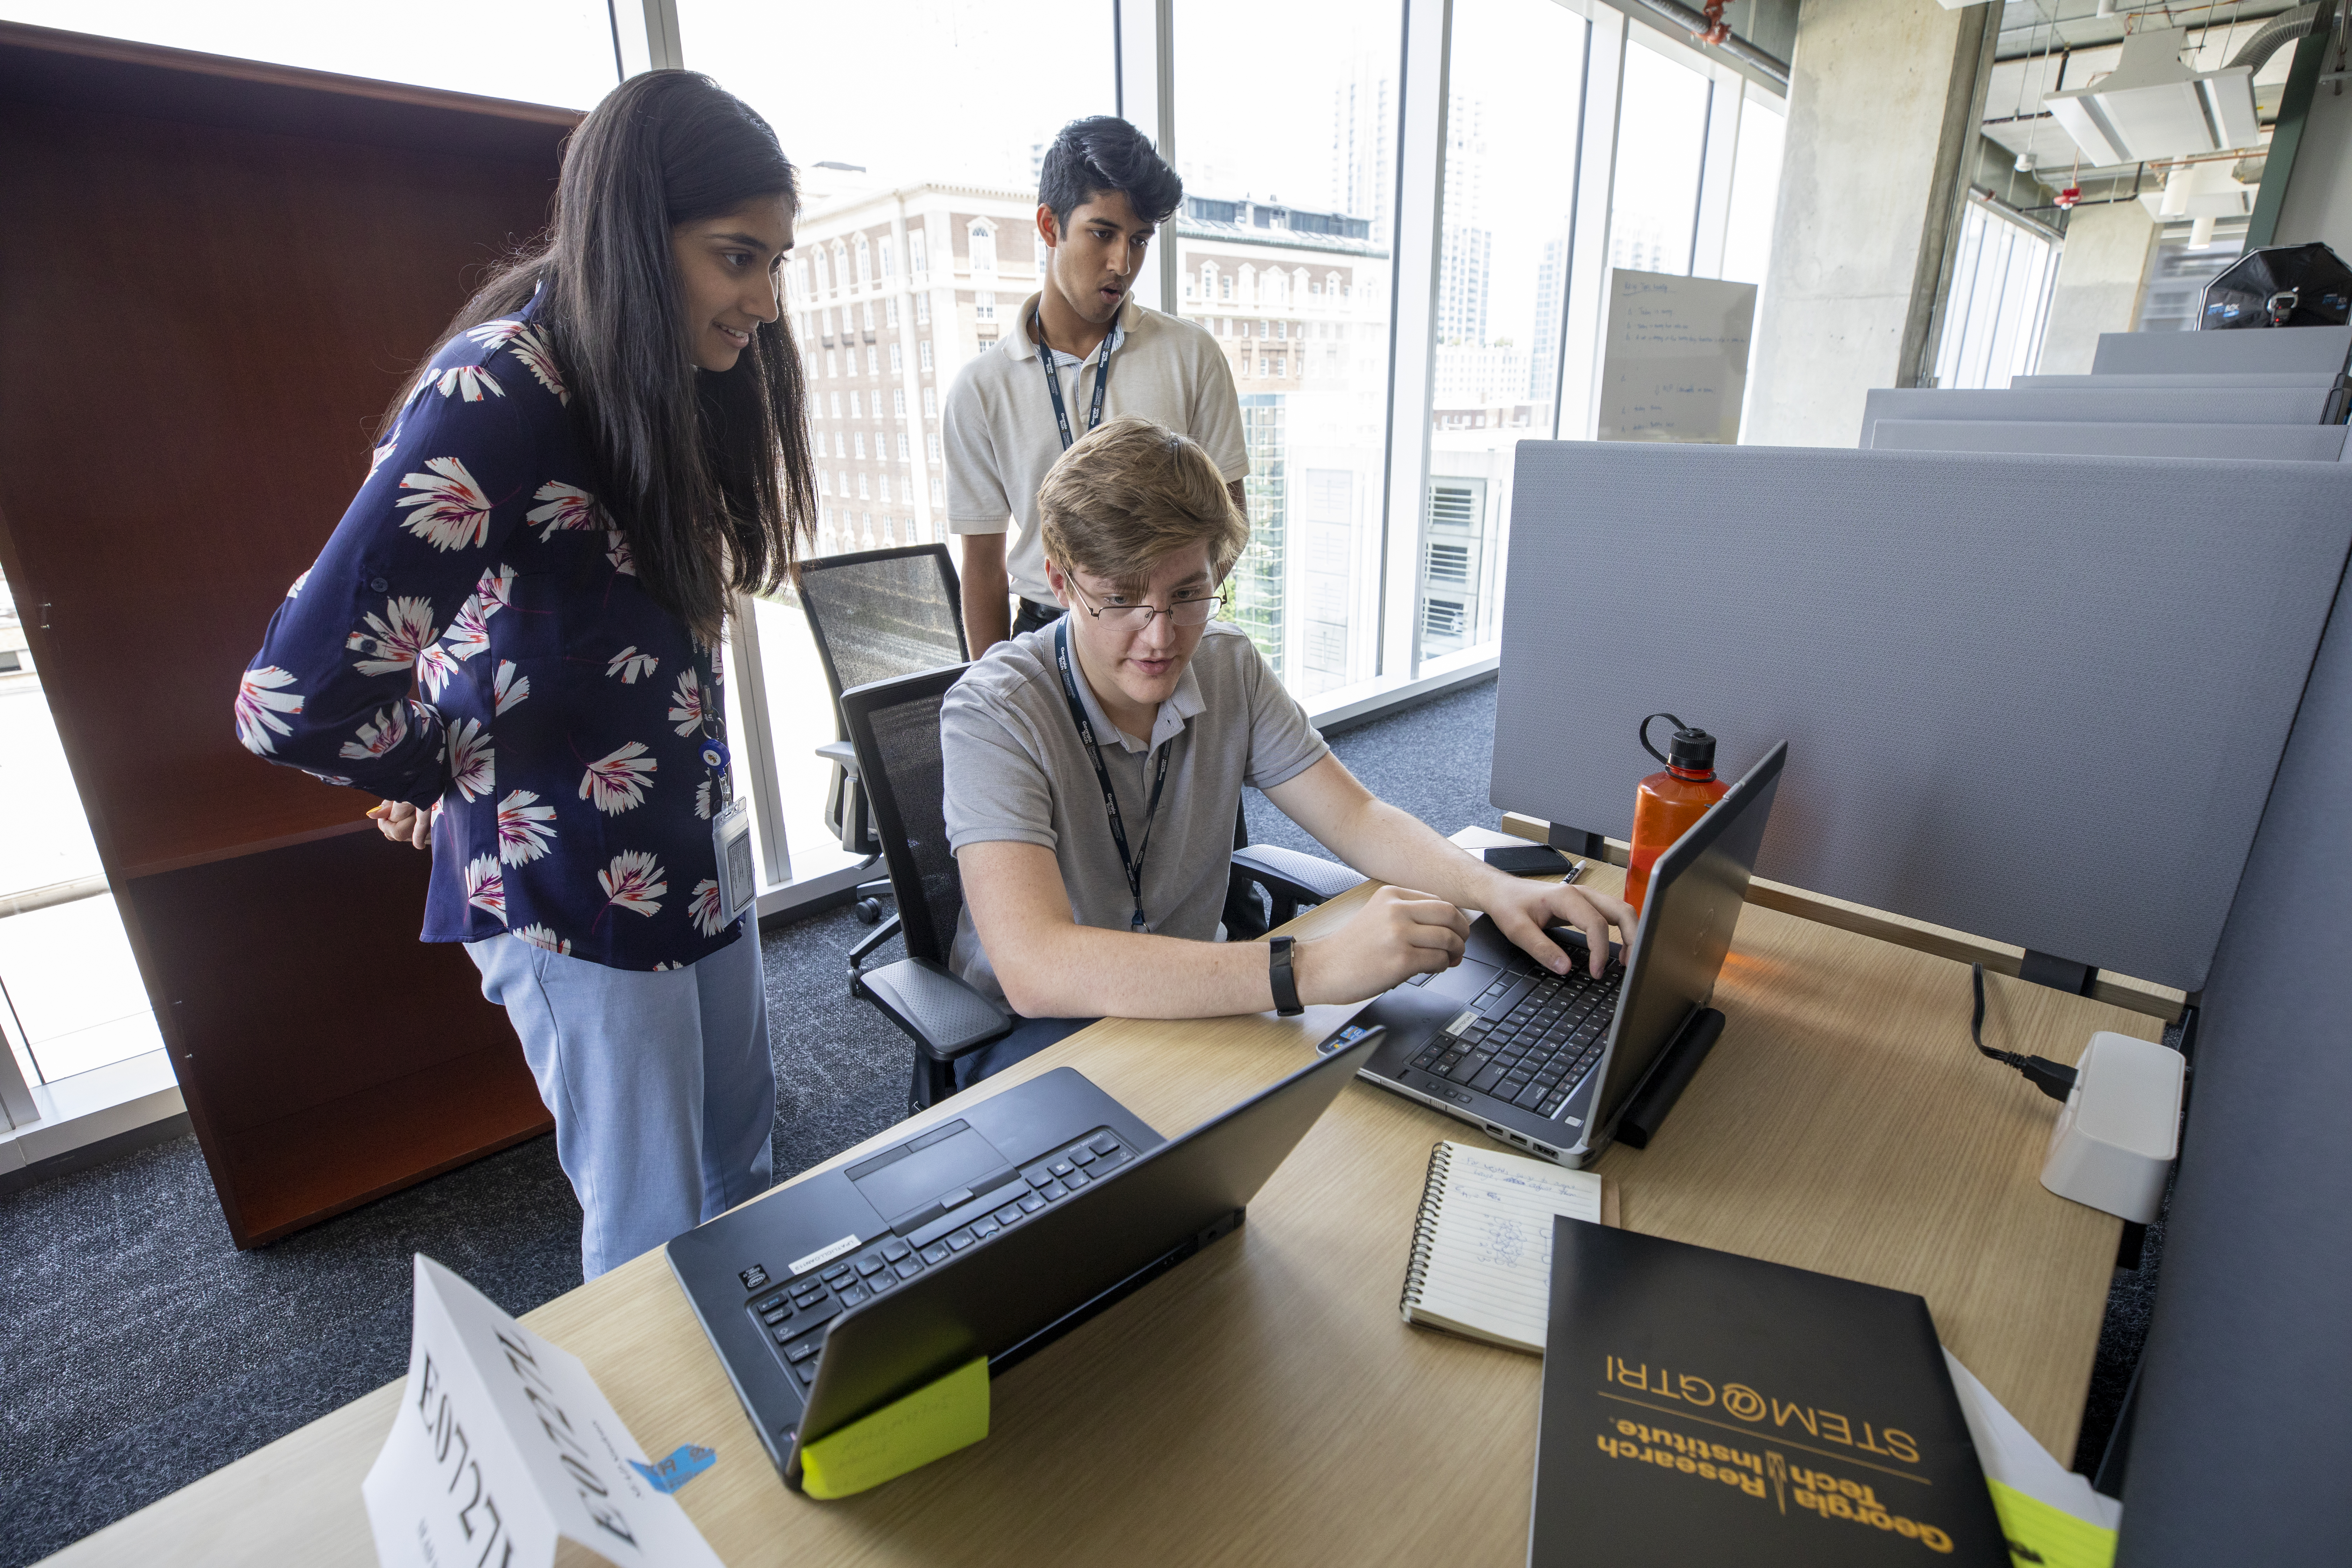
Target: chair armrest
{"x": 841, "y": 753}
{"x": 1295, "y": 878}
{"x": 939, "y": 1012}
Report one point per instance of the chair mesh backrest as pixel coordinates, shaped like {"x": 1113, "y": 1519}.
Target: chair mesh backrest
{"x": 895, "y": 726}
{"x": 883, "y": 613}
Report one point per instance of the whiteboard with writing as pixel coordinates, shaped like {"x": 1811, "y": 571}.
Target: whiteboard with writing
{"x": 1676, "y": 360}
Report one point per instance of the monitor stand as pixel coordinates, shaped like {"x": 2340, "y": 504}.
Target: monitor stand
{"x": 1646, "y": 1107}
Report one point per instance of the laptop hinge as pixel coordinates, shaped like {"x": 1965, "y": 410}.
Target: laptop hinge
{"x": 1646, "y": 1107}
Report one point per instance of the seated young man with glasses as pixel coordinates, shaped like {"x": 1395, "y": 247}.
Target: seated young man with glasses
{"x": 1094, "y": 766}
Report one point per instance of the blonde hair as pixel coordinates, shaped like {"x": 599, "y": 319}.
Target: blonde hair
{"x": 1130, "y": 494}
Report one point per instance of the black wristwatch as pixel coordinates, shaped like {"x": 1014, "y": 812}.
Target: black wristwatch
{"x": 1286, "y": 983}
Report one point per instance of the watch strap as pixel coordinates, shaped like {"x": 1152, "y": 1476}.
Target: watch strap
{"x": 1284, "y": 981}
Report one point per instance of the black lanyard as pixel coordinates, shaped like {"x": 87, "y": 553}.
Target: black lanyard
{"x": 713, "y": 731}
{"x": 1132, "y": 864}
{"x": 1053, "y": 384}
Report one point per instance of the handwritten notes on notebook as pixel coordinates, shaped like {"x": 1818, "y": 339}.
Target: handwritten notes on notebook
{"x": 1482, "y": 1248}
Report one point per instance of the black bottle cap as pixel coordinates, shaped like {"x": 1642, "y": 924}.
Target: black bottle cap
{"x": 1692, "y": 751}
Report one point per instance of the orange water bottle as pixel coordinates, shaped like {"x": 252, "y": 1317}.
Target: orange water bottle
{"x": 1666, "y": 804}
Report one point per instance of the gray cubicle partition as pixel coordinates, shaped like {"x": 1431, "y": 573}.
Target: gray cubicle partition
{"x": 2244, "y": 1406}
{"x": 2218, "y": 380}
{"x": 2039, "y": 699}
{"x": 2276, "y": 443}
{"x": 2248, "y": 349}
{"x": 2095, "y": 404}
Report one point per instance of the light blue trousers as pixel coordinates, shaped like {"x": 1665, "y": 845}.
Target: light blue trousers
{"x": 662, "y": 1088}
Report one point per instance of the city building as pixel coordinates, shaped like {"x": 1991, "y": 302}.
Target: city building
{"x": 1465, "y": 266}
{"x": 1299, "y": 302}
{"x": 890, "y": 292}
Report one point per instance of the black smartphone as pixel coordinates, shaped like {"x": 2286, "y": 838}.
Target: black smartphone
{"x": 1532, "y": 860}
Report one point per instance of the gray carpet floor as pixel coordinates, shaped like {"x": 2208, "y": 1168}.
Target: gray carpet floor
{"x": 140, "y": 1350}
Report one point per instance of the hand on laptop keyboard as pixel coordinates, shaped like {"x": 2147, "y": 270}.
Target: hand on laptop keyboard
{"x": 1521, "y": 910}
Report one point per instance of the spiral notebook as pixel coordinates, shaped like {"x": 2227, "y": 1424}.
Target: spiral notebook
{"x": 1481, "y": 1261}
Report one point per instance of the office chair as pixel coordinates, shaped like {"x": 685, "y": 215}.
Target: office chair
{"x": 894, "y": 731}
{"x": 875, "y": 614}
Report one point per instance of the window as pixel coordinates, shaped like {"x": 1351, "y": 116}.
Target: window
{"x": 898, "y": 394}
{"x": 882, "y": 253}
{"x": 1500, "y": 312}
{"x": 869, "y": 315}
{"x": 931, "y": 446}
{"x": 923, "y": 315}
{"x": 859, "y": 438}
{"x": 983, "y": 247}
{"x": 881, "y": 484}
{"x": 873, "y": 360}
{"x": 931, "y": 403}
{"x": 841, "y": 444}
{"x": 2000, "y": 301}
{"x": 864, "y": 269}
{"x": 855, "y": 412}
{"x": 1224, "y": 288}
{"x": 984, "y": 307}
{"x": 836, "y": 400}
{"x": 902, "y": 446}
{"x": 1661, "y": 138}
{"x": 832, "y": 361}
{"x": 863, "y": 495}
{"x": 896, "y": 359}
{"x": 890, "y": 311}
{"x": 915, "y": 262}
{"x": 1754, "y": 188}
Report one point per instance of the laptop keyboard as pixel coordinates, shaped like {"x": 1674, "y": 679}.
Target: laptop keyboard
{"x": 796, "y": 1317}
{"x": 1535, "y": 1054}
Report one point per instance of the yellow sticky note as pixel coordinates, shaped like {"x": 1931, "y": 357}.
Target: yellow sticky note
{"x": 2040, "y": 1536}
{"x": 907, "y": 1434}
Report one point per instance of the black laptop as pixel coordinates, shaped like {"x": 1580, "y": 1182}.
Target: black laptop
{"x": 993, "y": 1234}
{"x": 1552, "y": 1063}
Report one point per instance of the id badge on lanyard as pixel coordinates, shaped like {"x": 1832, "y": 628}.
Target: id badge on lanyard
{"x": 730, "y": 845}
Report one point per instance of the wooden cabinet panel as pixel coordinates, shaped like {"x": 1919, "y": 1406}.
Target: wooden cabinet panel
{"x": 213, "y": 275}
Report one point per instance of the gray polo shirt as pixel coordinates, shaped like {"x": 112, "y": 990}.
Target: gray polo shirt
{"x": 1017, "y": 772}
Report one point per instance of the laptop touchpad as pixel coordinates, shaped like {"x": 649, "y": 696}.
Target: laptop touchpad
{"x": 913, "y": 1180}
{"x": 1467, "y": 979}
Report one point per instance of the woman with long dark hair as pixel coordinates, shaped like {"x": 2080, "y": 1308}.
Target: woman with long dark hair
{"x": 513, "y": 640}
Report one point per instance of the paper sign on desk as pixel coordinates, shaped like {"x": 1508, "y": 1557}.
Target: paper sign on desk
{"x": 907, "y": 1434}
{"x": 2051, "y": 1516}
{"x": 506, "y": 1454}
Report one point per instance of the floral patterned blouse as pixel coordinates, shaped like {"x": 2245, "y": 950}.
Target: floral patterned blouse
{"x": 474, "y": 640}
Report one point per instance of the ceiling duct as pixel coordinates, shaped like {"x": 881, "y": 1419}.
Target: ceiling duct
{"x": 2151, "y": 108}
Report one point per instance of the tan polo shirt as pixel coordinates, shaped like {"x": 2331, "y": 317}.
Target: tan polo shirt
{"x": 1000, "y": 437}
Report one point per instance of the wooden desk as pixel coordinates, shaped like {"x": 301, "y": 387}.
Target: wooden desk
{"x": 1263, "y": 1403}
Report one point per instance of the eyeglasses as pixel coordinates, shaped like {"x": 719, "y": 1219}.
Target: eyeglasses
{"x": 1188, "y": 607}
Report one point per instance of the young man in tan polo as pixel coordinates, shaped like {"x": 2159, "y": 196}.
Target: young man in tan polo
{"x": 1076, "y": 906}
{"x": 1081, "y": 351}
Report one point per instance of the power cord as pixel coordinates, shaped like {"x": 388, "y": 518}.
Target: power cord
{"x": 2053, "y": 1079}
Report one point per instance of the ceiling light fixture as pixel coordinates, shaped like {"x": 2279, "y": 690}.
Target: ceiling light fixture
{"x": 2152, "y": 108}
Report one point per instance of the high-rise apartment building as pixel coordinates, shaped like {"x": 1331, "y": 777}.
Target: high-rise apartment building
{"x": 1551, "y": 280}
{"x": 1364, "y": 141}
{"x": 1465, "y": 264}
{"x": 891, "y": 290}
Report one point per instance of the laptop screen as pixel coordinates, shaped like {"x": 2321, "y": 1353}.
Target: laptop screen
{"x": 1697, "y": 891}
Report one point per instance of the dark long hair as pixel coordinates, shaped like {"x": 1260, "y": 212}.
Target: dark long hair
{"x": 706, "y": 473}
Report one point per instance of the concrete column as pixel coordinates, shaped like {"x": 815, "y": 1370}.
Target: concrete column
{"x": 1882, "y": 103}
{"x": 2101, "y": 273}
